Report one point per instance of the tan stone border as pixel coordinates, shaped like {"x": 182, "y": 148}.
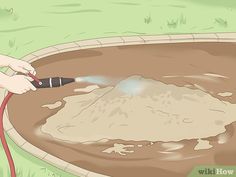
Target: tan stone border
{"x": 96, "y": 43}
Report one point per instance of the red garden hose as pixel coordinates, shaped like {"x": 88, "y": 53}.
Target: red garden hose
{"x": 2, "y": 135}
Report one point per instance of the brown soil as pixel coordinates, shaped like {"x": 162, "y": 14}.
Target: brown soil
{"x": 150, "y": 61}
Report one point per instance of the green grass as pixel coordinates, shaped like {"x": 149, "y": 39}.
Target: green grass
{"x": 27, "y": 25}
{"x": 177, "y": 22}
{"x": 221, "y": 22}
{"x": 5, "y": 13}
{"x": 27, "y": 165}
{"x": 148, "y": 19}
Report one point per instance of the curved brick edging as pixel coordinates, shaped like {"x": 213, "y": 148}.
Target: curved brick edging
{"x": 96, "y": 43}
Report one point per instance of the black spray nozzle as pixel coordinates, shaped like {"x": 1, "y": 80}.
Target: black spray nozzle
{"x": 53, "y": 82}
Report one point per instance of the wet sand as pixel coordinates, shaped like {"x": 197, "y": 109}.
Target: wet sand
{"x": 206, "y": 66}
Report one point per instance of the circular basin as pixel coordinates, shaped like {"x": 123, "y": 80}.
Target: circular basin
{"x": 181, "y": 64}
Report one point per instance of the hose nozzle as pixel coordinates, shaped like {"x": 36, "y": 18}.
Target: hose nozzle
{"x": 52, "y": 82}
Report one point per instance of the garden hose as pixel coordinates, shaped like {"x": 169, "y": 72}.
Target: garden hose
{"x": 2, "y": 134}
{"x": 38, "y": 83}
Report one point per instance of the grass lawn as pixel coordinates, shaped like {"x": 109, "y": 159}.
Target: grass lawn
{"x": 27, "y": 165}
{"x": 27, "y": 25}
{"x": 30, "y": 25}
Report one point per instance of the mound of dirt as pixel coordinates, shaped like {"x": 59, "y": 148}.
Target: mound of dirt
{"x": 140, "y": 109}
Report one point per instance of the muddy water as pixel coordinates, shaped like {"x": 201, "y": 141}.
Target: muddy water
{"x": 206, "y": 66}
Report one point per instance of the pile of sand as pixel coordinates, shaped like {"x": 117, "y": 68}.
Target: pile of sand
{"x": 140, "y": 109}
